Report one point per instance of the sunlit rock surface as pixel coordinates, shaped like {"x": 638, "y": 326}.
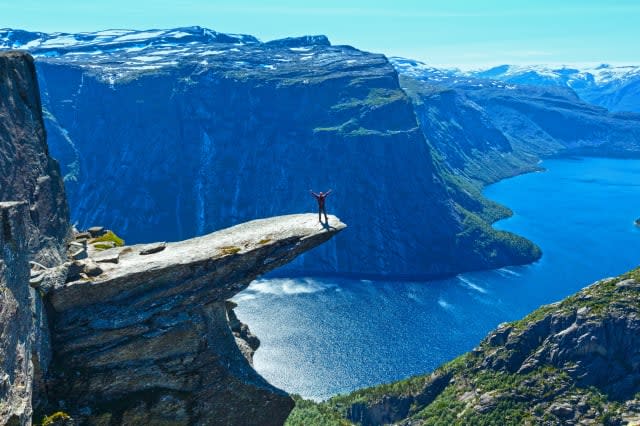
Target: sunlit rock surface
{"x": 149, "y": 339}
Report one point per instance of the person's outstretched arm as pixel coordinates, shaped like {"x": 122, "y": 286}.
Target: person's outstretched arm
{"x": 328, "y": 192}
{"x": 314, "y": 194}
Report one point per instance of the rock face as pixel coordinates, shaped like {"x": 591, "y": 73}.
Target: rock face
{"x": 572, "y": 362}
{"x": 27, "y": 172}
{"x": 151, "y": 338}
{"x": 218, "y": 129}
{"x": 18, "y": 340}
{"x": 33, "y": 227}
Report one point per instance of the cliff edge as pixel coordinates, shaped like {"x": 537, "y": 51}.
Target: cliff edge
{"x": 141, "y": 334}
{"x": 27, "y": 171}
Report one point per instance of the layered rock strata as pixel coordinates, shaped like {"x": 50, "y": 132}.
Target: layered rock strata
{"x": 27, "y": 171}
{"x": 17, "y": 337}
{"x": 143, "y": 336}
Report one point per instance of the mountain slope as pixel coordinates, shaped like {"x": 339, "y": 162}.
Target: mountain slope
{"x": 487, "y": 130}
{"x": 167, "y": 134}
{"x": 571, "y": 362}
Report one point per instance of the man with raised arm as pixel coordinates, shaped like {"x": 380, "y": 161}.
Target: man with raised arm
{"x": 321, "y": 209}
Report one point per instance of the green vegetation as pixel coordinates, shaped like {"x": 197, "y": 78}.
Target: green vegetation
{"x": 57, "y": 418}
{"x": 376, "y": 98}
{"x": 352, "y": 128}
{"x": 264, "y": 241}
{"x": 492, "y": 247}
{"x": 468, "y": 195}
{"x": 227, "y": 250}
{"x": 354, "y": 116}
{"x": 102, "y": 246}
{"x": 597, "y": 298}
{"x": 494, "y": 390}
{"x": 402, "y": 387}
{"x": 309, "y": 413}
{"x": 345, "y": 130}
{"x": 109, "y": 236}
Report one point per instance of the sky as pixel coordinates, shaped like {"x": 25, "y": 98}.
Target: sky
{"x": 461, "y": 33}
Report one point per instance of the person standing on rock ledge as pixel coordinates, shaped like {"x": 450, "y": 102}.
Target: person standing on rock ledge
{"x": 320, "y": 198}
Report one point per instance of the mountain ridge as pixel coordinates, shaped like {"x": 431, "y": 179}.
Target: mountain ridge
{"x": 616, "y": 88}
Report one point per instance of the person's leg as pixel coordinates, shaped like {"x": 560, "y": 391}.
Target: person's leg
{"x": 319, "y": 214}
{"x": 324, "y": 210}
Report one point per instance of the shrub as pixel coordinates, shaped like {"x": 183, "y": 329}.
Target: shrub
{"x": 102, "y": 246}
{"x": 109, "y": 236}
{"x": 57, "y": 418}
{"x": 230, "y": 250}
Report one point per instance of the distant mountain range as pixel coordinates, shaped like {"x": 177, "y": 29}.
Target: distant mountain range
{"x": 487, "y": 129}
{"x": 616, "y": 88}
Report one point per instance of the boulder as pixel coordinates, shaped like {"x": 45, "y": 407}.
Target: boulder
{"x": 96, "y": 231}
{"x": 153, "y": 248}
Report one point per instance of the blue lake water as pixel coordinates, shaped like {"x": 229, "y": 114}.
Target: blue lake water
{"x": 321, "y": 337}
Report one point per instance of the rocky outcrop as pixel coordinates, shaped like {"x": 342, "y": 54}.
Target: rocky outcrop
{"x": 572, "y": 362}
{"x": 148, "y": 337}
{"x": 27, "y": 171}
{"x": 216, "y": 131}
{"x": 17, "y": 337}
{"x": 33, "y": 228}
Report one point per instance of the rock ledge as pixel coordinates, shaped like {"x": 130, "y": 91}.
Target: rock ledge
{"x": 148, "y": 339}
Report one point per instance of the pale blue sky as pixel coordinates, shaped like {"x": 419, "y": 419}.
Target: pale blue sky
{"x": 463, "y": 33}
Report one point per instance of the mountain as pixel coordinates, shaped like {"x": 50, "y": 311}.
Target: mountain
{"x": 486, "y": 130}
{"x": 616, "y": 88}
{"x": 168, "y": 134}
{"x": 572, "y": 362}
